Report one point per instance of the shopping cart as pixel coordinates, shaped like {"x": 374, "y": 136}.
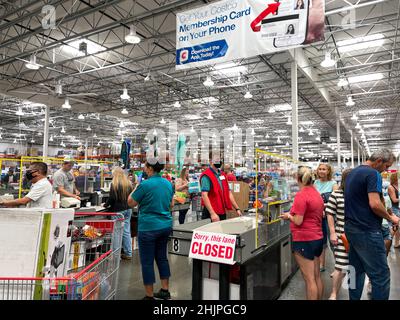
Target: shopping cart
{"x": 92, "y": 264}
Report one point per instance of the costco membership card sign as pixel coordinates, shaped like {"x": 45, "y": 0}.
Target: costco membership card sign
{"x": 235, "y": 29}
{"x": 214, "y": 247}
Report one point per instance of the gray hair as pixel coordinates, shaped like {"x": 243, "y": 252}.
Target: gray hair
{"x": 385, "y": 154}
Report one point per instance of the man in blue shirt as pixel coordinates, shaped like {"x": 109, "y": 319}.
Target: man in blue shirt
{"x": 363, "y": 219}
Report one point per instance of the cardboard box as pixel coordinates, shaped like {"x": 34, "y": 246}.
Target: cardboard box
{"x": 241, "y": 193}
{"x": 59, "y": 242}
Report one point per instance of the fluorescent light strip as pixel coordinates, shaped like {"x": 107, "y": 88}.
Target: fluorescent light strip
{"x": 373, "y": 125}
{"x": 374, "y": 119}
{"x": 360, "y": 43}
{"x": 369, "y": 111}
{"x": 367, "y": 77}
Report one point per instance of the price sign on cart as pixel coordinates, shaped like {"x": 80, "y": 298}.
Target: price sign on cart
{"x": 214, "y": 247}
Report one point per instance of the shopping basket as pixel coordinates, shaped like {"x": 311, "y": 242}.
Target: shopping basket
{"x": 92, "y": 264}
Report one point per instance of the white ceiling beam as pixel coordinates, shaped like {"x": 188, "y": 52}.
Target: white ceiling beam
{"x": 305, "y": 67}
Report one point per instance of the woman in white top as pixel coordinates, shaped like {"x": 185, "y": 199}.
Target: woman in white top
{"x": 325, "y": 186}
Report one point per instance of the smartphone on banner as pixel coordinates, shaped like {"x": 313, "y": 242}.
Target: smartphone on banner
{"x": 294, "y": 22}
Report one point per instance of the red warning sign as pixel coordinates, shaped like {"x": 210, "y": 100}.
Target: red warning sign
{"x": 215, "y": 247}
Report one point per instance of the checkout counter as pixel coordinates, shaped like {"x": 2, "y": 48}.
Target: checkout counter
{"x": 263, "y": 258}
{"x": 92, "y": 195}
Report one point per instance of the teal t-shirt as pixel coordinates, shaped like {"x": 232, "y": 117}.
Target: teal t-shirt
{"x": 205, "y": 181}
{"x": 154, "y": 197}
{"x": 324, "y": 187}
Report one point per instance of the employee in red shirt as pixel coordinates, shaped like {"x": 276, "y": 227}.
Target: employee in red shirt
{"x": 306, "y": 225}
{"x": 229, "y": 173}
{"x": 215, "y": 193}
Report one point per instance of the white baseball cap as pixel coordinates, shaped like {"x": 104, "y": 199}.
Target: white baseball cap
{"x": 68, "y": 158}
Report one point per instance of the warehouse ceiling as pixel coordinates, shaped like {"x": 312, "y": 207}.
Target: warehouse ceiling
{"x": 94, "y": 81}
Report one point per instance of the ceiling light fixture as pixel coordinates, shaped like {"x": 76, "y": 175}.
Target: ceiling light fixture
{"x": 267, "y": 136}
{"x": 289, "y": 121}
{"x": 155, "y": 132}
{"x": 310, "y": 133}
{"x": 248, "y": 95}
{"x": 210, "y": 117}
{"x": 121, "y": 125}
{"x": 342, "y": 82}
{"x": 162, "y": 121}
{"x": 278, "y": 140}
{"x": 32, "y": 63}
{"x": 132, "y": 37}
{"x": 208, "y": 82}
{"x": 253, "y": 132}
{"x": 350, "y": 101}
{"x": 177, "y": 104}
{"x": 354, "y": 117}
{"x": 66, "y": 104}
{"x": 89, "y": 128}
{"x": 328, "y": 61}
{"x": 81, "y": 117}
{"x": 51, "y": 138}
{"x": 124, "y": 111}
{"x": 15, "y": 141}
{"x": 358, "y": 126}
{"x": 95, "y": 135}
{"x": 20, "y": 112}
{"x": 301, "y": 129}
{"x": 62, "y": 129}
{"x": 235, "y": 127}
{"x": 148, "y": 77}
{"x": 287, "y": 144}
{"x": 125, "y": 95}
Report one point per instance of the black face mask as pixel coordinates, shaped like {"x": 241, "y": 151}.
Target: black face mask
{"x": 218, "y": 165}
{"x": 29, "y": 175}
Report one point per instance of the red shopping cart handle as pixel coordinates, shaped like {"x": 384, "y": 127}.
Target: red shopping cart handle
{"x": 96, "y": 213}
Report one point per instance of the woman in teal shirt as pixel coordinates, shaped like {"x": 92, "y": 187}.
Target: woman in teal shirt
{"x": 325, "y": 186}
{"x": 155, "y": 199}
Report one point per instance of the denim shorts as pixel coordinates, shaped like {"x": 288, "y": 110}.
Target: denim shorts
{"x": 308, "y": 249}
{"x": 386, "y": 233}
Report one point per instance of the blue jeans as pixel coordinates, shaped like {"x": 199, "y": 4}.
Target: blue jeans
{"x": 153, "y": 245}
{"x": 367, "y": 255}
{"x": 126, "y": 236}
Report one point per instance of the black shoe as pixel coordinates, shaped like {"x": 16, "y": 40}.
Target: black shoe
{"x": 162, "y": 295}
{"x": 148, "y": 298}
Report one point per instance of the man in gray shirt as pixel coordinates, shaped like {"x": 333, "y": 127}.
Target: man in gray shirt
{"x": 64, "y": 182}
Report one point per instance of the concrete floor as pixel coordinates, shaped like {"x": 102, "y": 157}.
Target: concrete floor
{"x": 130, "y": 285}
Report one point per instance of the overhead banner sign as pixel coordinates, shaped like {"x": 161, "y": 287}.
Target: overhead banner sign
{"x": 214, "y": 247}
{"x": 236, "y": 29}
